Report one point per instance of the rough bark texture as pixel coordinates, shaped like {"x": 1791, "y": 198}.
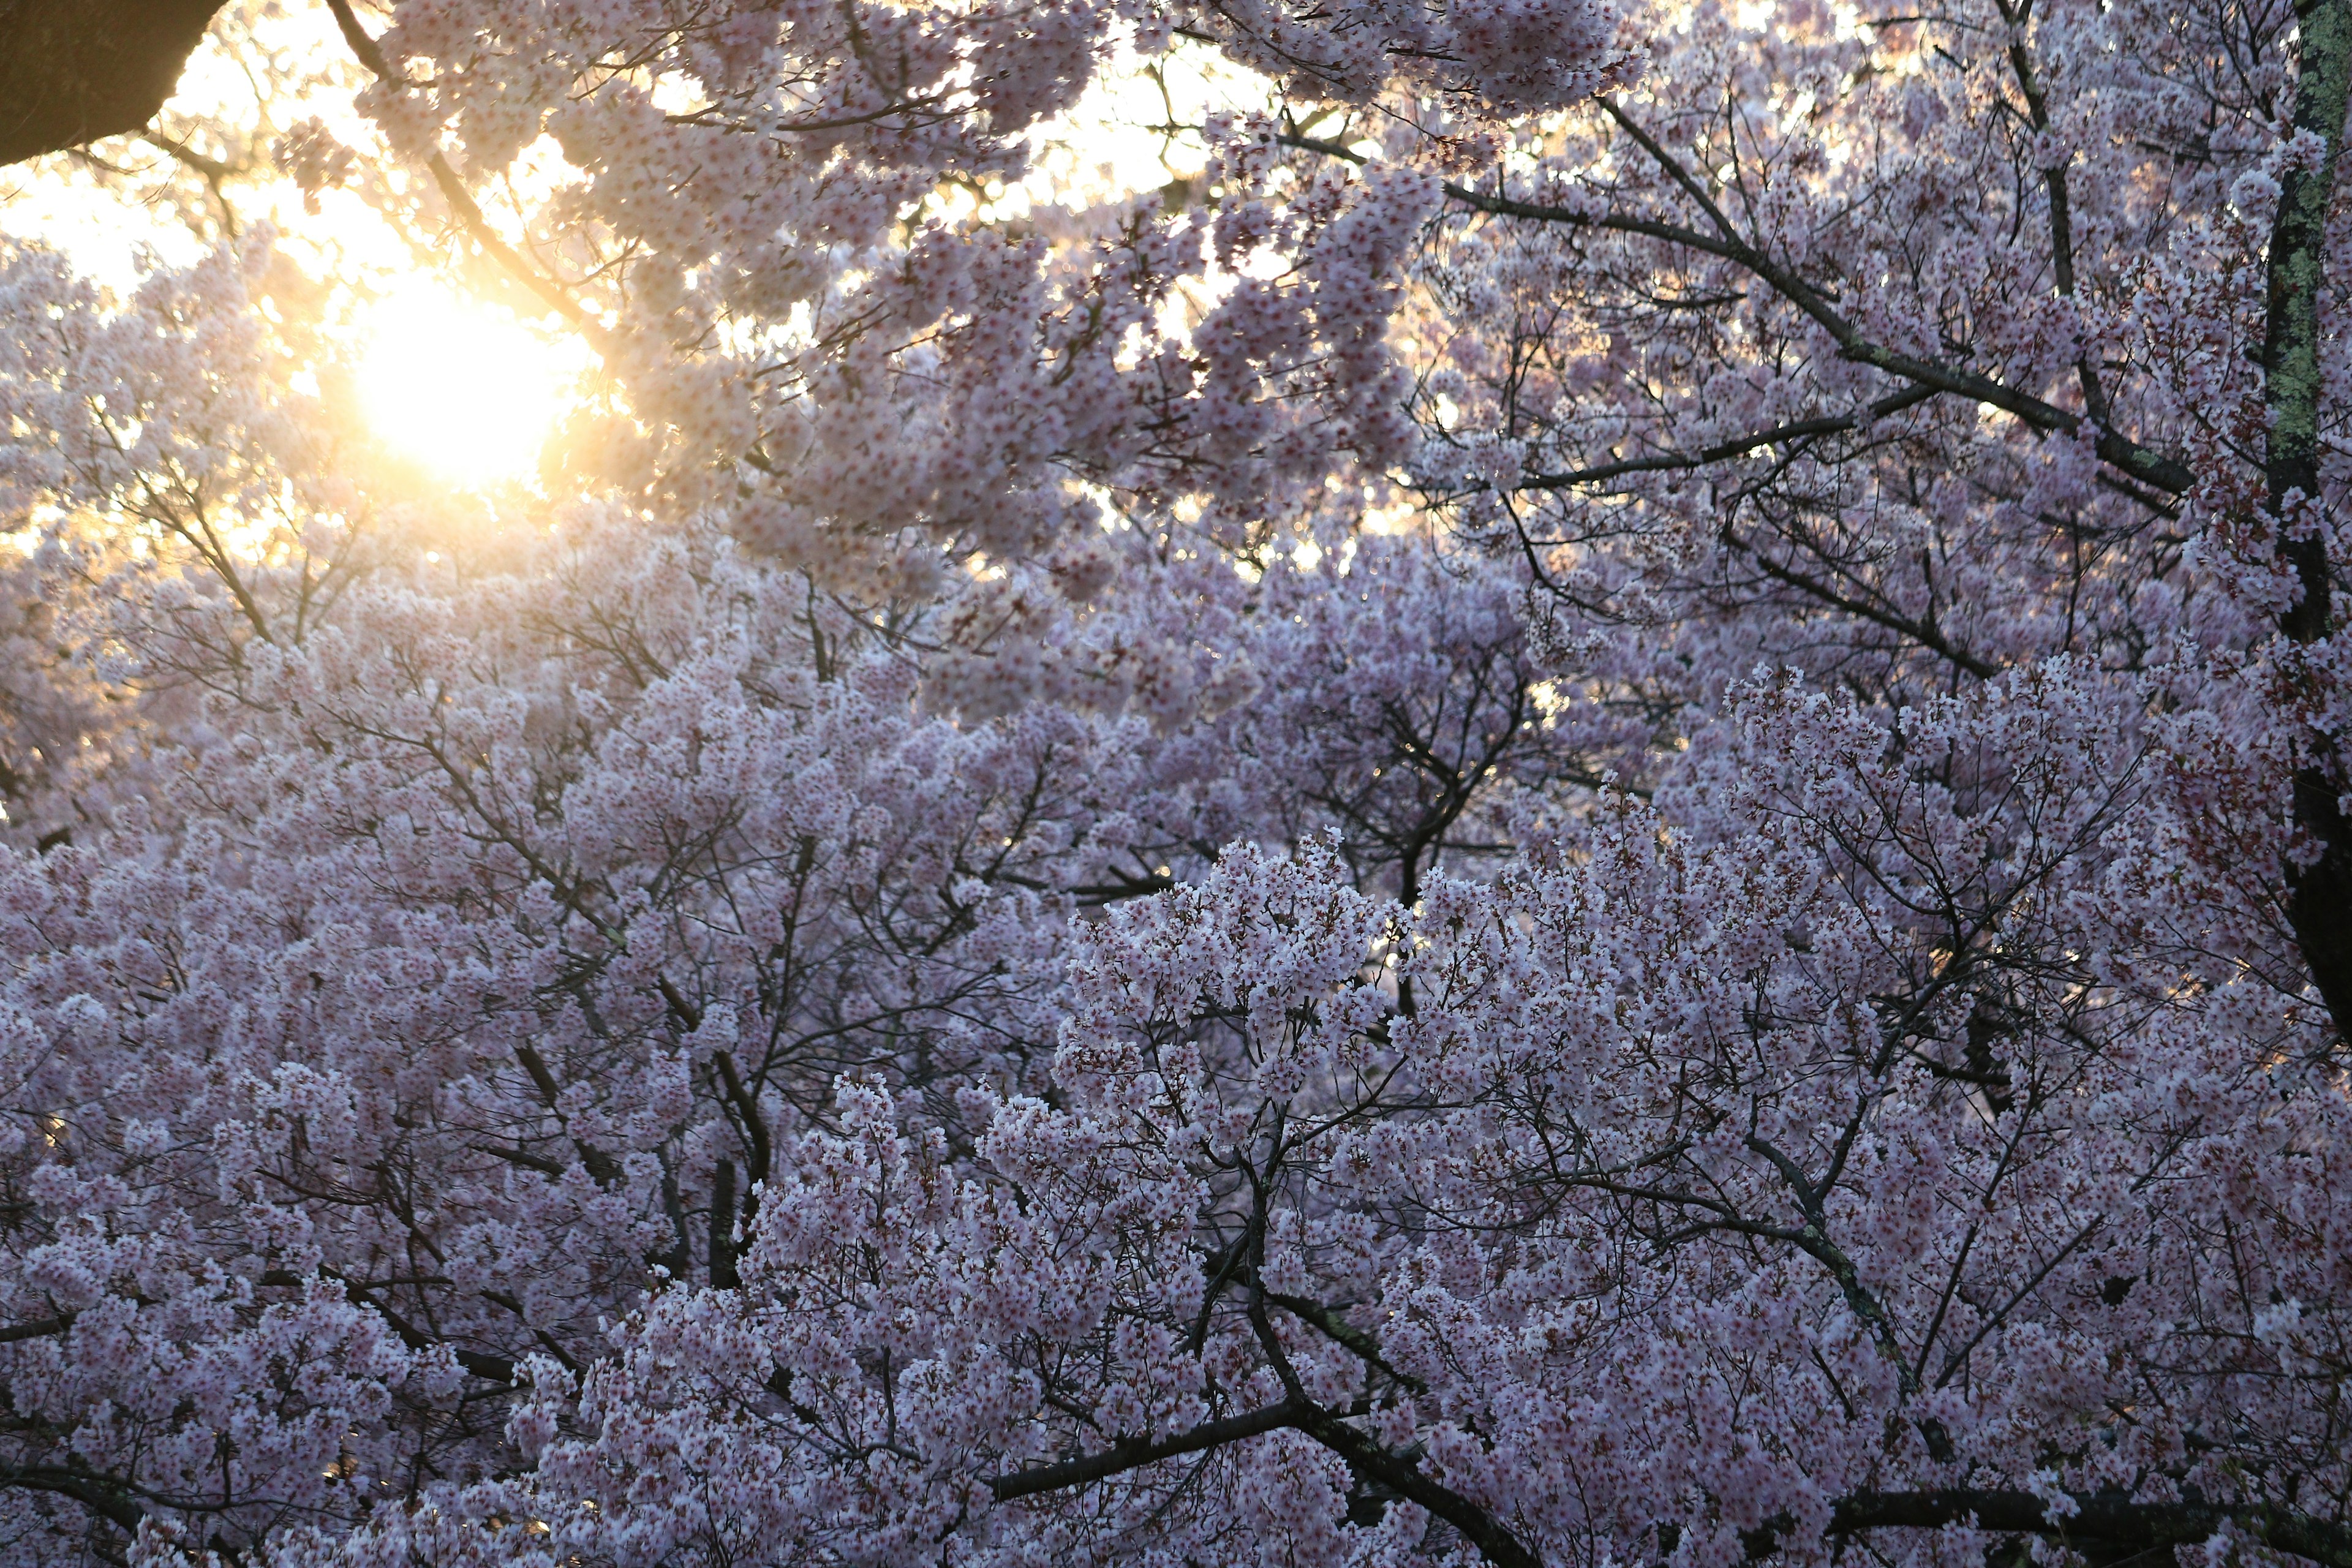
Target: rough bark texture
{"x": 73, "y": 70}
{"x": 2320, "y": 902}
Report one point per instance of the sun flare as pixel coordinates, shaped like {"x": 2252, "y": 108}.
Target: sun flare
{"x": 467, "y": 391}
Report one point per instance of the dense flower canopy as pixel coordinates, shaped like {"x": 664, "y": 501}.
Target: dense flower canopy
{"x": 1591, "y": 808}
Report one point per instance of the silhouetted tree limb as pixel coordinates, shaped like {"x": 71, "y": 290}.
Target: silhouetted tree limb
{"x": 2320, "y": 897}
{"x": 74, "y": 71}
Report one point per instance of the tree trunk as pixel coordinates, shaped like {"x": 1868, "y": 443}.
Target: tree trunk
{"x": 74, "y": 71}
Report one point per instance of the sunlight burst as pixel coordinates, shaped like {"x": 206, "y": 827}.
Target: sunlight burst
{"x": 469, "y": 391}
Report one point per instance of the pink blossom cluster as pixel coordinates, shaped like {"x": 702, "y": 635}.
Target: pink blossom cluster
{"x": 1594, "y": 814}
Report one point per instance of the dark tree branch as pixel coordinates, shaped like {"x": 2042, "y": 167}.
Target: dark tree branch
{"x": 1376, "y": 1464}
{"x": 2319, "y": 896}
{"x": 2144, "y": 464}
{"x": 44, "y": 1329}
{"x": 74, "y": 71}
{"x": 83, "y": 1487}
{"x": 2110, "y": 1520}
{"x": 1738, "y": 447}
{"x": 1134, "y": 1453}
{"x": 461, "y": 201}
{"x": 2106, "y": 1520}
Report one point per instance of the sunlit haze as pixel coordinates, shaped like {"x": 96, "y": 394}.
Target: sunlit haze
{"x": 466, "y": 391}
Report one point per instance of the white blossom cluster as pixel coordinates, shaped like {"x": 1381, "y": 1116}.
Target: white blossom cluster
{"x": 1590, "y": 812}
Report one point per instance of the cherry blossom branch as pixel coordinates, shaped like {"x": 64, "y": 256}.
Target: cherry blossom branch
{"x": 1373, "y": 1463}
{"x": 461, "y": 200}
{"x": 2086, "y": 1516}
{"x": 84, "y": 1487}
{"x": 1368, "y": 1459}
{"x": 488, "y": 1368}
{"x": 752, "y": 1128}
{"x": 40, "y": 1329}
{"x": 2142, "y": 463}
{"x": 1922, "y": 631}
{"x": 2053, "y": 181}
{"x": 1134, "y": 1453}
{"x": 1363, "y": 1346}
{"x": 1738, "y": 447}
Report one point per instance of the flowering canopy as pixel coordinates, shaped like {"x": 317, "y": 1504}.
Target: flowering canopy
{"x": 1591, "y": 810}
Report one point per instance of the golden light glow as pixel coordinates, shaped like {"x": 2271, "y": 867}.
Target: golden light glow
{"x": 467, "y": 391}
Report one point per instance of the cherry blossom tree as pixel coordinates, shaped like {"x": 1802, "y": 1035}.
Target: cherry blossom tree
{"x": 1591, "y": 809}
